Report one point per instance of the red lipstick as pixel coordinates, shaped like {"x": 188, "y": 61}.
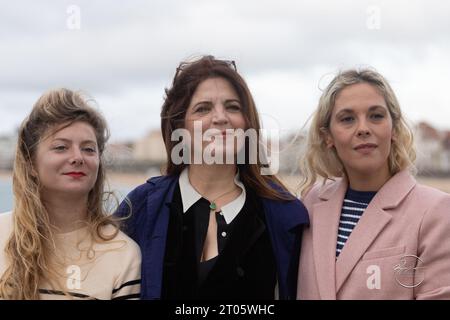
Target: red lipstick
{"x": 75, "y": 174}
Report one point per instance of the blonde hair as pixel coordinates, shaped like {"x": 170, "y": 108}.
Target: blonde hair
{"x": 320, "y": 161}
{"x": 31, "y": 243}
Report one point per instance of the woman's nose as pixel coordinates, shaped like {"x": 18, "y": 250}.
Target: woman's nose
{"x": 220, "y": 116}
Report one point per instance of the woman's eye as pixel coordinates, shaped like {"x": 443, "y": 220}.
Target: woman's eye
{"x": 347, "y": 119}
{"x": 377, "y": 116}
{"x": 90, "y": 150}
{"x": 234, "y": 107}
{"x": 202, "y": 109}
{"x": 60, "y": 148}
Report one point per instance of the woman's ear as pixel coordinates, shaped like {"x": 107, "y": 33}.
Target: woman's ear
{"x": 327, "y": 137}
{"x": 33, "y": 172}
{"x": 329, "y": 143}
{"x": 394, "y": 136}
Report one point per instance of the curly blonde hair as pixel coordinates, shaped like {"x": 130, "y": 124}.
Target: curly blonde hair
{"x": 320, "y": 161}
{"x": 31, "y": 243}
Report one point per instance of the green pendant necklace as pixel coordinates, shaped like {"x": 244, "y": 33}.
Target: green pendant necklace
{"x": 213, "y": 205}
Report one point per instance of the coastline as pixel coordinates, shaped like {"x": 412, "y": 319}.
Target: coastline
{"x": 114, "y": 178}
{"x": 292, "y": 182}
{"x": 126, "y": 179}
{"x": 5, "y": 175}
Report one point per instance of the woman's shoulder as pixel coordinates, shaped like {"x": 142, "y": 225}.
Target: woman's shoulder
{"x": 431, "y": 198}
{"x": 319, "y": 188}
{"x": 431, "y": 193}
{"x": 290, "y": 212}
{"x": 151, "y": 185}
{"x": 123, "y": 244}
{"x": 133, "y": 249}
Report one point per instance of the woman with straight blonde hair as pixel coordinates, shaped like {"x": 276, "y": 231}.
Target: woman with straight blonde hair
{"x": 375, "y": 232}
{"x": 59, "y": 242}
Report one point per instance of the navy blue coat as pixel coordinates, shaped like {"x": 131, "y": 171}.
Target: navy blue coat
{"x": 149, "y": 221}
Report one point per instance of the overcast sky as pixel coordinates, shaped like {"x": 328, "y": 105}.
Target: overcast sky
{"x": 125, "y": 54}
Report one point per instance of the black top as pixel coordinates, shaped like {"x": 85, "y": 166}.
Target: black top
{"x": 245, "y": 267}
{"x": 360, "y": 196}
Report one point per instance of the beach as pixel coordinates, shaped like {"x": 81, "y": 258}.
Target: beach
{"x": 114, "y": 178}
{"x": 130, "y": 180}
{"x": 5, "y": 175}
{"x": 291, "y": 181}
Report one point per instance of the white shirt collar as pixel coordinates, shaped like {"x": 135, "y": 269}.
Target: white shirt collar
{"x": 189, "y": 196}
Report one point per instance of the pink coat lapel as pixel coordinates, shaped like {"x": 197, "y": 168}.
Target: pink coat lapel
{"x": 331, "y": 274}
{"x": 324, "y": 229}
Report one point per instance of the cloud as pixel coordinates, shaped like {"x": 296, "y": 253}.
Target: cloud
{"x": 124, "y": 55}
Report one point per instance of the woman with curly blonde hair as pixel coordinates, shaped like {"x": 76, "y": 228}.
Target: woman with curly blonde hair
{"x": 59, "y": 242}
{"x": 375, "y": 232}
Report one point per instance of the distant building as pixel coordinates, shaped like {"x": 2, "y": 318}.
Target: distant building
{"x": 148, "y": 152}
{"x": 118, "y": 153}
{"x": 291, "y": 151}
{"x": 433, "y": 149}
{"x": 432, "y": 146}
{"x": 446, "y": 147}
{"x": 150, "y": 148}
{"x": 7, "y": 151}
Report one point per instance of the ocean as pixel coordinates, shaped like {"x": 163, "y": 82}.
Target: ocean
{"x": 6, "y": 195}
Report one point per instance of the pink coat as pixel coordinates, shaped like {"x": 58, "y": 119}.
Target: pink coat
{"x": 400, "y": 248}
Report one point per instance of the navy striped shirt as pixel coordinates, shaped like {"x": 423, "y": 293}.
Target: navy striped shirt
{"x": 355, "y": 202}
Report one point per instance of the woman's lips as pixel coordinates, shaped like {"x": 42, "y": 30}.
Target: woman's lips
{"x": 75, "y": 174}
{"x": 365, "y": 148}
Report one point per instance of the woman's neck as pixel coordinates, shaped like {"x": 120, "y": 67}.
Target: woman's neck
{"x": 368, "y": 182}
{"x": 68, "y": 213}
{"x": 210, "y": 180}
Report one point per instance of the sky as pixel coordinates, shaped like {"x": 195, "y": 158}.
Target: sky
{"x": 123, "y": 54}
